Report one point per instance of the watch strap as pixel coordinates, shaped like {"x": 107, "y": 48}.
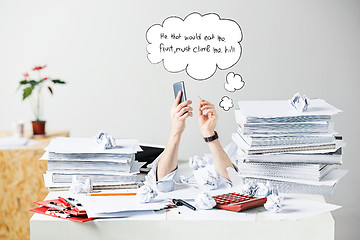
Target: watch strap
{"x": 212, "y": 138}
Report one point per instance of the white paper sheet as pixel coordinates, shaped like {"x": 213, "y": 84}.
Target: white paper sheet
{"x": 329, "y": 180}
{"x": 113, "y": 204}
{"x": 297, "y": 208}
{"x": 282, "y": 108}
{"x": 190, "y": 193}
{"x": 89, "y": 145}
{"x": 135, "y": 169}
{"x": 182, "y": 191}
{"x": 131, "y": 215}
{"x": 46, "y": 157}
{"x": 49, "y": 182}
{"x": 214, "y": 214}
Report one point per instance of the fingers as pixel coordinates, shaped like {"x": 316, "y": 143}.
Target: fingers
{"x": 199, "y": 110}
{"x": 210, "y": 114}
{"x": 186, "y": 115}
{"x": 182, "y": 105}
{"x": 177, "y": 106}
{"x": 184, "y": 110}
{"x": 177, "y": 99}
{"x": 208, "y": 109}
{"x": 205, "y": 107}
{"x": 204, "y": 102}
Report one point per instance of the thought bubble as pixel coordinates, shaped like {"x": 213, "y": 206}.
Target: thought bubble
{"x": 198, "y": 44}
{"x": 233, "y": 82}
{"x": 226, "y": 103}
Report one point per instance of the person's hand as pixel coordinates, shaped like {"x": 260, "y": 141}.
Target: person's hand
{"x": 179, "y": 113}
{"x": 207, "y": 118}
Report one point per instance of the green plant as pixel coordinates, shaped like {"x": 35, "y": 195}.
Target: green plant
{"x": 29, "y": 86}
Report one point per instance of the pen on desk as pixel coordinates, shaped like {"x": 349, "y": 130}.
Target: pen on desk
{"x": 180, "y": 202}
{"x": 112, "y": 194}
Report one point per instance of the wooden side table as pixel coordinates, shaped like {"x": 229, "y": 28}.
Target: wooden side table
{"x": 22, "y": 183}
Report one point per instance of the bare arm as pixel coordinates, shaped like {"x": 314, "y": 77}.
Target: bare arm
{"x": 207, "y": 124}
{"x": 179, "y": 113}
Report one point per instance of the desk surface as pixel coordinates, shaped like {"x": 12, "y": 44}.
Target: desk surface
{"x": 21, "y": 183}
{"x": 317, "y": 227}
{"x": 43, "y": 140}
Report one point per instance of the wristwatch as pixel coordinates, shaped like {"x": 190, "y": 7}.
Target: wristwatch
{"x": 212, "y": 138}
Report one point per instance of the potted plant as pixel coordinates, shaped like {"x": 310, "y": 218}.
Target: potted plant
{"x": 34, "y": 88}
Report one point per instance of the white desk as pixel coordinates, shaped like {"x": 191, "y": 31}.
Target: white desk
{"x": 318, "y": 227}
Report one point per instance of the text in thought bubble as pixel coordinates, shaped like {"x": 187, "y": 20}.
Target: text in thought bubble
{"x": 198, "y": 44}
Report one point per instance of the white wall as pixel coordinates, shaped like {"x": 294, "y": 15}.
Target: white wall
{"x": 99, "y": 48}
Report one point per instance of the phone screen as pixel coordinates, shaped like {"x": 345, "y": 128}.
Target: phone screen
{"x": 180, "y": 86}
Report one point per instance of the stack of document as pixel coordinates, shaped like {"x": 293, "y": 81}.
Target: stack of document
{"x": 293, "y": 149}
{"x": 83, "y": 157}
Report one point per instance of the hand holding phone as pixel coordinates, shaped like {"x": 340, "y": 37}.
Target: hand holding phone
{"x": 180, "y": 110}
{"x": 180, "y": 86}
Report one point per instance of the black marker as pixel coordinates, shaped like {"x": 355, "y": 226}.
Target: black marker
{"x": 180, "y": 202}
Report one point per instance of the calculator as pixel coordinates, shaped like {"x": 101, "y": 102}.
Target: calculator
{"x": 237, "y": 202}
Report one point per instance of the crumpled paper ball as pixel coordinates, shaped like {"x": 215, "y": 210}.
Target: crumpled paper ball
{"x": 78, "y": 186}
{"x": 208, "y": 159}
{"x": 204, "y": 201}
{"x": 197, "y": 162}
{"x": 148, "y": 191}
{"x": 87, "y": 186}
{"x": 300, "y": 103}
{"x": 274, "y": 203}
{"x": 105, "y": 140}
{"x": 146, "y": 194}
{"x": 187, "y": 180}
{"x": 259, "y": 189}
{"x": 270, "y": 187}
{"x": 249, "y": 188}
{"x": 207, "y": 178}
{"x": 263, "y": 190}
{"x": 184, "y": 179}
{"x": 274, "y": 190}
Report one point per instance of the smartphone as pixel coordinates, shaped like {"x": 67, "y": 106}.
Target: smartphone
{"x": 180, "y": 86}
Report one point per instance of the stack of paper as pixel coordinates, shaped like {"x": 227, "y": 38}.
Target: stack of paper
{"x": 295, "y": 150}
{"x": 84, "y": 158}
{"x": 324, "y": 186}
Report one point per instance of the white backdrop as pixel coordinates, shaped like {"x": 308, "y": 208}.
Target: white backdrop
{"x": 99, "y": 48}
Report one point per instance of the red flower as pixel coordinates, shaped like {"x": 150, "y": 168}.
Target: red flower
{"x": 46, "y": 78}
{"x": 37, "y": 68}
{"x": 26, "y": 75}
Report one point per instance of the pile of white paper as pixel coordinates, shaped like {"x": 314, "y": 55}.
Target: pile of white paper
{"x": 295, "y": 150}
{"x": 127, "y": 207}
{"x": 84, "y": 158}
